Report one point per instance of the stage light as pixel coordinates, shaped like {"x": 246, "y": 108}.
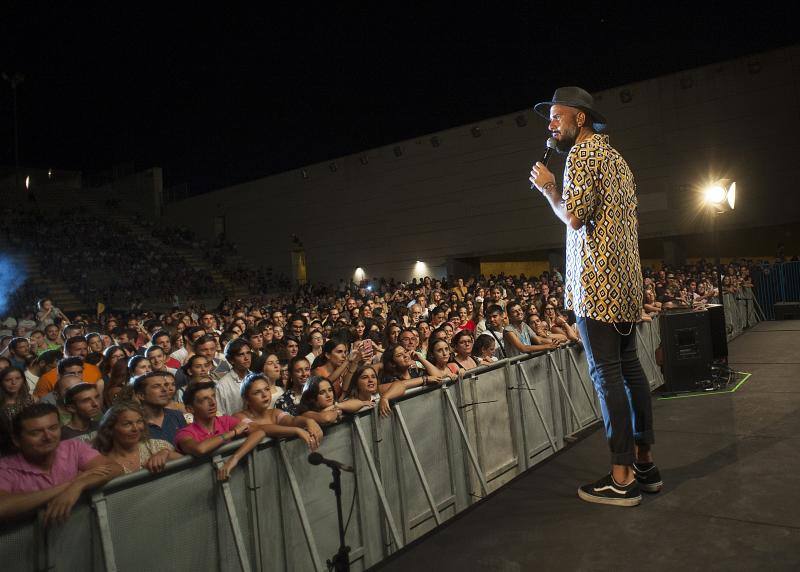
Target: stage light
{"x": 359, "y": 274}
{"x": 28, "y": 182}
{"x": 721, "y": 195}
{"x": 732, "y": 195}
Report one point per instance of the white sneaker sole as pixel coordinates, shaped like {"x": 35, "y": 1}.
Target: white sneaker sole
{"x": 652, "y": 487}
{"x": 610, "y": 501}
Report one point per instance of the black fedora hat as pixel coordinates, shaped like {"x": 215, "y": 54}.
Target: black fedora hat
{"x": 573, "y": 97}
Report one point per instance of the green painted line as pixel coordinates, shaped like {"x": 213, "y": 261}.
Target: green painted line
{"x": 701, "y": 393}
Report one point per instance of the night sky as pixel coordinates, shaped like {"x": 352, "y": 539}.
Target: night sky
{"x": 217, "y": 97}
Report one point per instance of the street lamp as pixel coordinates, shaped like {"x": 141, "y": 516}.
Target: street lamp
{"x": 720, "y": 197}
{"x": 14, "y": 80}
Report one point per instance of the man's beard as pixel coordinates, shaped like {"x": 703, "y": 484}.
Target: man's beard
{"x": 567, "y": 140}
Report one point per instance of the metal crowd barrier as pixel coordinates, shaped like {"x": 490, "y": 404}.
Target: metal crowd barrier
{"x": 441, "y": 450}
{"x": 742, "y": 311}
{"x": 779, "y": 282}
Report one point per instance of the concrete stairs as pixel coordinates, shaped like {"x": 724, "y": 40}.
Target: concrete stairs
{"x": 61, "y": 294}
{"x": 195, "y": 257}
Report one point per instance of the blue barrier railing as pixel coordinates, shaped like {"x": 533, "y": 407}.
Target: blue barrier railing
{"x": 779, "y": 282}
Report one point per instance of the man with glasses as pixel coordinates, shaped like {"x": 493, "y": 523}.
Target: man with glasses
{"x": 229, "y": 395}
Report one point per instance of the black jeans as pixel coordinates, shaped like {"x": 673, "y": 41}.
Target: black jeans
{"x": 621, "y": 386}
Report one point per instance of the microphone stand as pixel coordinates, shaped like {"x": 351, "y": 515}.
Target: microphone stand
{"x": 341, "y": 560}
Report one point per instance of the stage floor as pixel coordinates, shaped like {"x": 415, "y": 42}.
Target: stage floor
{"x": 731, "y": 498}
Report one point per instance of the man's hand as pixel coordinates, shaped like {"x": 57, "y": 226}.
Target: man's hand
{"x": 543, "y": 179}
{"x": 59, "y": 509}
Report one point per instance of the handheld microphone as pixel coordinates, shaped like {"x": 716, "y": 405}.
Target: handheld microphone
{"x": 550, "y": 146}
{"x": 317, "y": 459}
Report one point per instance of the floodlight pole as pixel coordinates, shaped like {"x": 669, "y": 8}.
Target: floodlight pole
{"x": 14, "y": 80}
{"x": 715, "y": 239}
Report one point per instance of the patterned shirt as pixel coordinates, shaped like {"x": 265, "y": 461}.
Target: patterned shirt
{"x": 604, "y": 274}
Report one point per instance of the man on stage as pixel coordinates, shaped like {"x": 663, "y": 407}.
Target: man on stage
{"x": 603, "y": 286}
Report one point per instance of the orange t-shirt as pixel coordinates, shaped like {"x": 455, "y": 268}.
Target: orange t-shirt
{"x": 46, "y": 383}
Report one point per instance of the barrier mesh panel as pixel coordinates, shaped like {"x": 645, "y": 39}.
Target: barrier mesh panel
{"x": 169, "y": 523}
{"x": 17, "y": 547}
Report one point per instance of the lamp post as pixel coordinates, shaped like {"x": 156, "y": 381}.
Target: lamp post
{"x": 14, "y": 80}
{"x": 720, "y": 196}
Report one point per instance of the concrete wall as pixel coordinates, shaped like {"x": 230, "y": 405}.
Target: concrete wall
{"x": 453, "y": 196}
{"x": 140, "y": 192}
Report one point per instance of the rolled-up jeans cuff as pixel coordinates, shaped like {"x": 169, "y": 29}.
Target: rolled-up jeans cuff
{"x": 622, "y": 458}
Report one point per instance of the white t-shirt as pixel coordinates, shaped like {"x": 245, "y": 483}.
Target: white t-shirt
{"x": 32, "y": 379}
{"x": 180, "y": 355}
{"x": 229, "y": 394}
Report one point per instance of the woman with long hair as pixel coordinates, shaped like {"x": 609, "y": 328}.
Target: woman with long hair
{"x": 336, "y": 365}
{"x": 398, "y": 366}
{"x": 365, "y": 387}
{"x": 314, "y": 340}
{"x": 259, "y": 409}
{"x": 464, "y": 319}
{"x": 319, "y": 403}
{"x": 462, "y": 356}
{"x": 269, "y": 365}
{"x": 391, "y": 334}
{"x": 359, "y": 331}
{"x": 14, "y": 396}
{"x": 558, "y": 324}
{"x": 139, "y": 365}
{"x": 299, "y": 371}
{"x": 484, "y": 348}
{"x": 438, "y": 357}
{"x": 424, "y": 329}
{"x": 111, "y": 356}
{"x": 123, "y": 438}
{"x": 196, "y": 368}
{"x": 119, "y": 374}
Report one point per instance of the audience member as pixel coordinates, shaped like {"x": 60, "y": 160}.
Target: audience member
{"x": 123, "y": 437}
{"x": 152, "y": 391}
{"x": 46, "y": 470}
{"x": 83, "y": 403}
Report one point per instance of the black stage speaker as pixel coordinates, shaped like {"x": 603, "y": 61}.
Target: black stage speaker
{"x": 786, "y": 310}
{"x": 687, "y": 349}
{"x": 719, "y": 333}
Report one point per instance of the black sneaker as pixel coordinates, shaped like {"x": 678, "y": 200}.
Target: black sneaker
{"x": 649, "y": 478}
{"x": 608, "y": 491}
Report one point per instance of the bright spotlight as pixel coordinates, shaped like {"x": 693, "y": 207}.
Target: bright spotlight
{"x": 721, "y": 195}
{"x": 359, "y": 274}
{"x": 732, "y": 195}
{"x": 28, "y": 182}
{"x": 715, "y": 194}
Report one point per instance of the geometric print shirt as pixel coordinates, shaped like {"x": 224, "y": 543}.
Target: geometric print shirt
{"x": 604, "y": 272}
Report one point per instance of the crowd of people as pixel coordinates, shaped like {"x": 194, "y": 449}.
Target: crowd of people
{"x": 121, "y": 269}
{"x": 89, "y": 397}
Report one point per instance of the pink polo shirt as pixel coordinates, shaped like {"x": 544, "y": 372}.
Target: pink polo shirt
{"x": 222, "y": 424}
{"x": 19, "y": 476}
